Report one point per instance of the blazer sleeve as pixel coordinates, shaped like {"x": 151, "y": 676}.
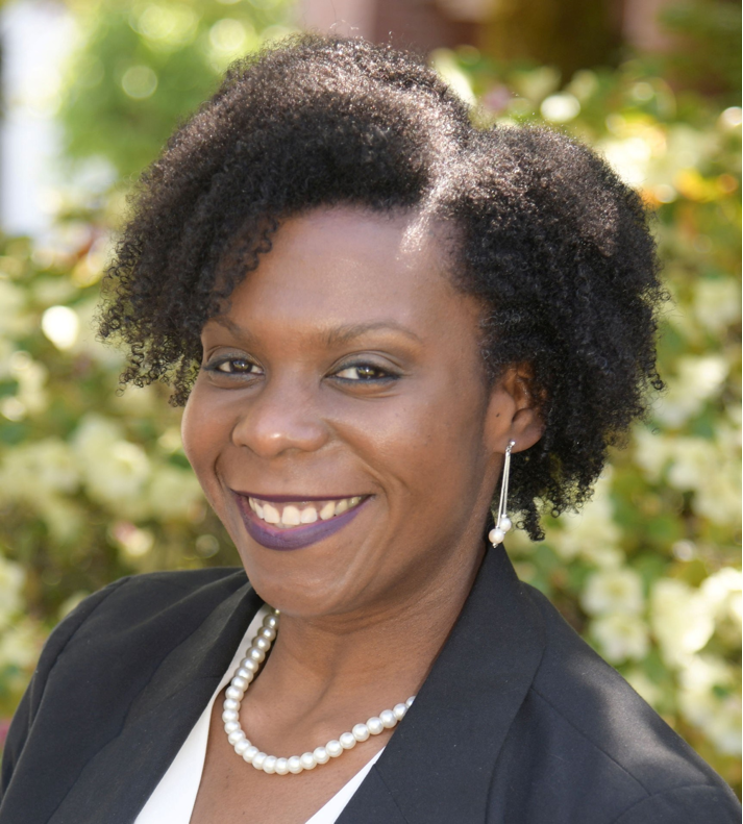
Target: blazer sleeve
{"x": 24, "y": 716}
{"x": 685, "y": 805}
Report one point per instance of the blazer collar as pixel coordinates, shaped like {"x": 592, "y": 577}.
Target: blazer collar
{"x": 439, "y": 764}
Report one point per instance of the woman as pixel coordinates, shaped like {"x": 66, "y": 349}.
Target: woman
{"x": 369, "y": 308}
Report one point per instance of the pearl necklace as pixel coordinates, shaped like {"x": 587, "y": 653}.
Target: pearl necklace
{"x": 246, "y": 672}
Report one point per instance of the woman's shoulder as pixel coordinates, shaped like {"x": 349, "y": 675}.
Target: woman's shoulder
{"x": 604, "y": 748}
{"x": 141, "y": 612}
{"x": 156, "y": 591}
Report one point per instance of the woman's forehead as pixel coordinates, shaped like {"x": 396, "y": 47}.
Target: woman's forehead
{"x": 352, "y": 251}
{"x": 345, "y": 267}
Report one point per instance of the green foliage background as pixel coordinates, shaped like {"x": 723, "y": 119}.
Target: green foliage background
{"x": 94, "y": 484}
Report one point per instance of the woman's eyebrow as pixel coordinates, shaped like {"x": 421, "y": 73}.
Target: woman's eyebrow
{"x": 336, "y": 336}
{"x": 343, "y": 334}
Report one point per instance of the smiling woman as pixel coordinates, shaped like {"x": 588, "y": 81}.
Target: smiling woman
{"x": 380, "y": 320}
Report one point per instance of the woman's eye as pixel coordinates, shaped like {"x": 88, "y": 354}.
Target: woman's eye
{"x": 233, "y": 366}
{"x": 363, "y": 372}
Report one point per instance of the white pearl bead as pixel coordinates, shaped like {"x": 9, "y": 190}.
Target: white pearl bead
{"x": 361, "y": 732}
{"x": 334, "y": 748}
{"x": 409, "y": 702}
{"x": 230, "y": 715}
{"x": 294, "y": 764}
{"x": 375, "y": 725}
{"x": 241, "y": 672}
{"x": 505, "y": 523}
{"x": 234, "y": 693}
{"x": 321, "y": 755}
{"x": 257, "y": 655}
{"x": 250, "y": 753}
{"x": 271, "y": 621}
{"x": 267, "y": 633}
{"x": 269, "y": 765}
{"x": 240, "y": 683}
{"x": 496, "y": 536}
{"x": 235, "y": 736}
{"x": 241, "y": 746}
{"x": 281, "y": 766}
{"x": 307, "y": 760}
{"x": 347, "y": 740}
{"x": 262, "y": 643}
{"x": 387, "y": 717}
{"x": 400, "y": 710}
{"x": 231, "y": 726}
{"x": 231, "y": 704}
{"x": 258, "y": 760}
{"x": 249, "y": 664}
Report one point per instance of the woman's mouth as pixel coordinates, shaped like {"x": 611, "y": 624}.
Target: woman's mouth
{"x": 282, "y": 523}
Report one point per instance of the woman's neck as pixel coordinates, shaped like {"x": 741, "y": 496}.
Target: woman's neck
{"x": 369, "y": 658}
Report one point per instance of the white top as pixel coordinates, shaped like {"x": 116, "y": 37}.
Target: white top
{"x": 173, "y": 799}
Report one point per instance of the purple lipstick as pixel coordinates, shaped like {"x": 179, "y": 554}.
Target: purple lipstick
{"x": 293, "y": 537}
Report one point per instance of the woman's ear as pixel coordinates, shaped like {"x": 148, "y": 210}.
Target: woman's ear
{"x": 514, "y": 411}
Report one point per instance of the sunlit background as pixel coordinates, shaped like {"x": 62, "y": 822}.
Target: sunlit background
{"x": 94, "y": 483}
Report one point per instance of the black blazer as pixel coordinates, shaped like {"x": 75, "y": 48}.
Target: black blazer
{"x": 519, "y": 722}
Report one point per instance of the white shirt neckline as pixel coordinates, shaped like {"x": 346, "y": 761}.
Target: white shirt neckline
{"x": 173, "y": 799}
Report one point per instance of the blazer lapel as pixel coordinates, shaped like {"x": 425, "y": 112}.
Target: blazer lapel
{"x": 439, "y": 764}
{"x": 118, "y": 780}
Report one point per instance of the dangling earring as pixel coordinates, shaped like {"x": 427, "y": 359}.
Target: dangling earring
{"x": 502, "y": 521}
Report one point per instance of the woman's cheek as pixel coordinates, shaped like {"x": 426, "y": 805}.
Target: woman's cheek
{"x": 201, "y": 434}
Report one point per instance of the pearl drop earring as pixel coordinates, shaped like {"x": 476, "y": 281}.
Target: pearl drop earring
{"x": 502, "y": 521}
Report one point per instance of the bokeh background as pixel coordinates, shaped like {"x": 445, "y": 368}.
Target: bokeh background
{"x": 94, "y": 484}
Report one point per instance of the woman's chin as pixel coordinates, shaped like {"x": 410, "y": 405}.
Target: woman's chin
{"x": 305, "y": 597}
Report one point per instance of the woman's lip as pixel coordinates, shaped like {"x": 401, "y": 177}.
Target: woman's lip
{"x": 295, "y": 537}
{"x": 296, "y": 499}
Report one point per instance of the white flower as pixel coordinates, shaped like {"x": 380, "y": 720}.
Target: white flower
{"x": 20, "y": 644}
{"x": 697, "y": 379}
{"x": 173, "y": 492}
{"x": 591, "y": 533}
{"x": 94, "y": 436}
{"x": 118, "y": 475}
{"x": 560, "y": 108}
{"x": 630, "y": 158}
{"x": 709, "y": 468}
{"x": 652, "y": 453}
{"x": 613, "y": 591}
{"x": 718, "y": 492}
{"x": 620, "y": 636}
{"x": 709, "y": 698}
{"x": 31, "y": 377}
{"x": 681, "y": 620}
{"x": 717, "y": 303}
{"x": 135, "y": 542}
{"x": 36, "y": 469}
{"x": 115, "y": 470}
{"x": 722, "y": 590}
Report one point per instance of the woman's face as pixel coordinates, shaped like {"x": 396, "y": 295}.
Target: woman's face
{"x": 341, "y": 425}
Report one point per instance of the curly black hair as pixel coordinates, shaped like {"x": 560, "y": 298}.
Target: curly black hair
{"x": 555, "y": 246}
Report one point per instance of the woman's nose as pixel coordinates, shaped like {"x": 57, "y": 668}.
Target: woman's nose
{"x": 283, "y": 416}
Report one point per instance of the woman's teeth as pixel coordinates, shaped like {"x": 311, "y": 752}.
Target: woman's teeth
{"x": 289, "y": 515}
